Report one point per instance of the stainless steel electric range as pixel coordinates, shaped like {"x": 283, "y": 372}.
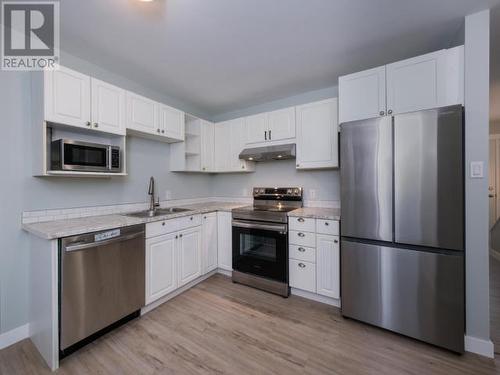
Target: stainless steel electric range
{"x": 260, "y": 239}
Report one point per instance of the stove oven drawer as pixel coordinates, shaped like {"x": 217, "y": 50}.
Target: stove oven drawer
{"x": 302, "y": 238}
{"x": 302, "y": 224}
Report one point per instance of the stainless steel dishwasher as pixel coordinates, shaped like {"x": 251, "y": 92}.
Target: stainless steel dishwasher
{"x": 102, "y": 283}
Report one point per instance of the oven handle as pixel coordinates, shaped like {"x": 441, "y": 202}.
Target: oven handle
{"x": 264, "y": 226}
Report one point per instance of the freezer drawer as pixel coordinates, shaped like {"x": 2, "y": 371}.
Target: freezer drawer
{"x": 418, "y": 294}
{"x": 366, "y": 179}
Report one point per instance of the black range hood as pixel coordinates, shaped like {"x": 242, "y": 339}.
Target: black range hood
{"x": 279, "y": 152}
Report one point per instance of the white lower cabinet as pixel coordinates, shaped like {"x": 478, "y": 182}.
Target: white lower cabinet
{"x": 209, "y": 242}
{"x": 160, "y": 266}
{"x": 189, "y": 255}
{"x": 327, "y": 266}
{"x": 314, "y": 257}
{"x": 224, "y": 241}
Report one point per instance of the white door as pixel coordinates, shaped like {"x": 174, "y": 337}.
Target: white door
{"x": 160, "y": 266}
{"x": 417, "y": 83}
{"x": 171, "y": 122}
{"x": 108, "y": 107}
{"x": 209, "y": 242}
{"x": 142, "y": 115}
{"x": 207, "y": 146}
{"x": 281, "y": 124}
{"x": 222, "y": 150}
{"x": 317, "y": 135}
{"x": 236, "y": 144}
{"x": 224, "y": 240}
{"x": 189, "y": 255}
{"x": 492, "y": 182}
{"x": 362, "y": 95}
{"x": 67, "y": 97}
{"x": 257, "y": 128}
{"x": 328, "y": 266}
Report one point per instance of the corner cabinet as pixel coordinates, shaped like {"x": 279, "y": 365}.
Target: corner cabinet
{"x": 317, "y": 135}
{"x": 209, "y": 242}
{"x": 229, "y": 142}
{"x": 423, "y": 82}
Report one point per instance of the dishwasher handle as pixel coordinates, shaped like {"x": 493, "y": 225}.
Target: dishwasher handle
{"x": 87, "y": 245}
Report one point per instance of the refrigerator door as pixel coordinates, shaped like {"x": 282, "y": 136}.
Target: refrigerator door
{"x": 366, "y": 179}
{"x": 415, "y": 293}
{"x": 429, "y": 178}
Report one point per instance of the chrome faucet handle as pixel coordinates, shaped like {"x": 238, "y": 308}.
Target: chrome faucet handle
{"x": 157, "y": 204}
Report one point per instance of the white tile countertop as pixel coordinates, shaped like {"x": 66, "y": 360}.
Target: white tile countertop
{"x": 316, "y": 213}
{"x": 50, "y": 230}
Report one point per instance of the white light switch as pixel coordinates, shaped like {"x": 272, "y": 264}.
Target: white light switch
{"x": 476, "y": 169}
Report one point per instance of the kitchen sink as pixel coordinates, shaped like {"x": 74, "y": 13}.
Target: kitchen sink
{"x": 158, "y": 212}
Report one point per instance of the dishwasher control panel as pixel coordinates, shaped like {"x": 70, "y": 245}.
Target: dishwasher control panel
{"x": 107, "y": 235}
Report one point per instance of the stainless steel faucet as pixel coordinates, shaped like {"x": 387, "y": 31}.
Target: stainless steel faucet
{"x": 151, "y": 192}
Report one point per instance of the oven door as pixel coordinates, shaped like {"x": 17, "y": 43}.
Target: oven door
{"x": 81, "y": 156}
{"x": 261, "y": 249}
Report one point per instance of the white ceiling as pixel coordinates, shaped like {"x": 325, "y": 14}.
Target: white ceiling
{"x": 222, "y": 55}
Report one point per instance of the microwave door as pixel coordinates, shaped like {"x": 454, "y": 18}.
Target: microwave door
{"x": 81, "y": 157}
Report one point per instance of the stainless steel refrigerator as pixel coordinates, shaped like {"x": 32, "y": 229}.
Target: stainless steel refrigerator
{"x": 402, "y": 209}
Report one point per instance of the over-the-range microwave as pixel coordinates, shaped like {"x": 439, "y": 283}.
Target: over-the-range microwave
{"x": 70, "y": 155}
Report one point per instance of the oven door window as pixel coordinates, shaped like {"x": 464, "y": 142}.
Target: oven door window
{"x": 261, "y": 252}
{"x": 85, "y": 156}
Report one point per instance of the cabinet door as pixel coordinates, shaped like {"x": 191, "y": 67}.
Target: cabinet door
{"x": 209, "y": 242}
{"x": 317, "y": 135}
{"x": 328, "y": 266}
{"x": 224, "y": 240}
{"x": 189, "y": 255}
{"x": 142, "y": 114}
{"x": 160, "y": 267}
{"x": 207, "y": 146}
{"x": 362, "y": 95}
{"x": 236, "y": 144}
{"x": 171, "y": 122}
{"x": 257, "y": 128}
{"x": 417, "y": 83}
{"x": 281, "y": 124}
{"x": 108, "y": 107}
{"x": 67, "y": 97}
{"x": 222, "y": 151}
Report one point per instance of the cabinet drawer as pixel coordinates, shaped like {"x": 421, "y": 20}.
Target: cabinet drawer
{"x": 330, "y": 227}
{"x": 302, "y": 224}
{"x": 307, "y": 254}
{"x": 302, "y": 275}
{"x": 307, "y": 239}
{"x": 159, "y": 228}
{"x": 189, "y": 221}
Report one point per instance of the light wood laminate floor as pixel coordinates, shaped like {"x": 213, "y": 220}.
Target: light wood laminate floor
{"x": 219, "y": 327}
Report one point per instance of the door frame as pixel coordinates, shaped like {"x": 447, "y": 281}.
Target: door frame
{"x": 496, "y": 180}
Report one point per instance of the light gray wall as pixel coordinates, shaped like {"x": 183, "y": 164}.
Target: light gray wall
{"x": 19, "y": 191}
{"x": 280, "y": 173}
{"x": 477, "y": 47}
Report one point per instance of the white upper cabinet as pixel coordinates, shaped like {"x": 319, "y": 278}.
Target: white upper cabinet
{"x": 423, "y": 82}
{"x": 142, "y": 114}
{"x": 189, "y": 255}
{"x": 229, "y": 142}
{"x": 67, "y": 97}
{"x": 171, "y": 122}
{"x": 209, "y": 242}
{"x": 222, "y": 152}
{"x": 328, "y": 266}
{"x": 207, "y": 146}
{"x": 317, "y": 135}
{"x": 257, "y": 127}
{"x": 281, "y": 124}
{"x": 108, "y": 107}
{"x": 362, "y": 95}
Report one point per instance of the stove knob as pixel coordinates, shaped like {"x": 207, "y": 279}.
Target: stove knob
{"x": 289, "y": 191}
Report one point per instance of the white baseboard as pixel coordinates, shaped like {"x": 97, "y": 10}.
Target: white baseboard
{"x": 315, "y": 297}
{"x": 17, "y": 334}
{"x": 479, "y": 346}
{"x": 222, "y": 271}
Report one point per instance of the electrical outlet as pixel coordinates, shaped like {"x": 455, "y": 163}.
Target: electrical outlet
{"x": 168, "y": 195}
{"x": 312, "y": 194}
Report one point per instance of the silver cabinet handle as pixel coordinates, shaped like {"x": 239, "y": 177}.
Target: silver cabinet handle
{"x": 382, "y": 113}
{"x": 302, "y": 265}
{"x": 335, "y": 241}
{"x": 265, "y": 135}
{"x": 180, "y": 235}
{"x": 163, "y": 132}
{"x": 389, "y": 111}
{"x": 204, "y": 217}
{"x": 89, "y": 123}
{"x": 300, "y": 220}
{"x": 176, "y": 236}
{"x": 158, "y": 130}
{"x": 270, "y": 135}
{"x": 327, "y": 223}
{"x": 300, "y": 234}
{"x": 163, "y": 223}
{"x": 96, "y": 125}
{"x": 191, "y": 218}
{"x": 298, "y": 165}
{"x": 301, "y": 249}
